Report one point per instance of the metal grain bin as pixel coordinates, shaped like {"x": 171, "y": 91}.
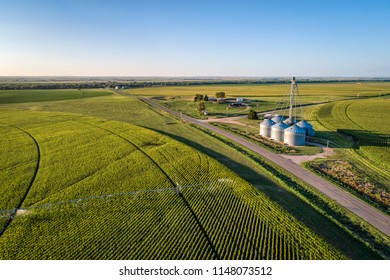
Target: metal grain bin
{"x": 307, "y": 127}
{"x": 265, "y": 127}
{"x": 277, "y": 131}
{"x": 294, "y": 136}
{"x": 277, "y": 118}
{"x": 311, "y": 132}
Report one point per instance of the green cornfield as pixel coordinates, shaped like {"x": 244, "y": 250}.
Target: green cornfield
{"x": 364, "y": 120}
{"x": 82, "y": 187}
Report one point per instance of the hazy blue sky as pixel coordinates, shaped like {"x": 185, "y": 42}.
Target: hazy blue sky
{"x": 195, "y": 38}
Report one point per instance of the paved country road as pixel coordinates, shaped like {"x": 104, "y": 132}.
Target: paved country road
{"x": 376, "y": 218}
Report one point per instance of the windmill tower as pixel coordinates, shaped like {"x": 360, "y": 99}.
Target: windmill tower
{"x": 293, "y": 100}
{"x": 289, "y": 103}
{"x": 287, "y": 129}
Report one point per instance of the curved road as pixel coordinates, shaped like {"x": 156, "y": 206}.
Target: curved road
{"x": 356, "y": 206}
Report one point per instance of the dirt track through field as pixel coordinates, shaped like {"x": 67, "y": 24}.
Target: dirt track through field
{"x": 368, "y": 213}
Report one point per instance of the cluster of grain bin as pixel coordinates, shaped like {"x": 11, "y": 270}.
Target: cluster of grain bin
{"x": 288, "y": 130}
{"x": 278, "y": 130}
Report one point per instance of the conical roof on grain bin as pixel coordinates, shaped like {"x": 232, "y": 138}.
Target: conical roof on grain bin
{"x": 279, "y": 126}
{"x": 277, "y": 118}
{"x": 307, "y": 127}
{"x": 267, "y": 122}
{"x": 304, "y": 124}
{"x": 295, "y": 129}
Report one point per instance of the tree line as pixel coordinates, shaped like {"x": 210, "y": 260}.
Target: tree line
{"x": 157, "y": 83}
{"x": 108, "y": 84}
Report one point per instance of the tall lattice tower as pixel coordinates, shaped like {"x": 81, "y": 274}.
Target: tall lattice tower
{"x": 283, "y": 128}
{"x": 293, "y": 103}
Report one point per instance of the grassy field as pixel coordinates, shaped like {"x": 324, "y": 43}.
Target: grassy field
{"x": 125, "y": 110}
{"x": 266, "y": 96}
{"x": 365, "y": 120}
{"x": 359, "y": 132}
{"x": 19, "y": 96}
{"x": 363, "y": 123}
{"x": 337, "y": 90}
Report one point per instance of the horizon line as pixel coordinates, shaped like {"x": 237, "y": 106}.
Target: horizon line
{"x": 191, "y": 76}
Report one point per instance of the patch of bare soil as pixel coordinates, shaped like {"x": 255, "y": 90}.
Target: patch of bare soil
{"x": 302, "y": 158}
{"x": 21, "y": 212}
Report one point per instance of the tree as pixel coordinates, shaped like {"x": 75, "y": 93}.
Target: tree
{"x": 220, "y": 94}
{"x": 252, "y": 115}
{"x": 206, "y": 98}
{"x": 198, "y": 97}
{"x": 201, "y": 107}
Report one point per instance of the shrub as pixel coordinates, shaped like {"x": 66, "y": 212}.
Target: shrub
{"x": 252, "y": 115}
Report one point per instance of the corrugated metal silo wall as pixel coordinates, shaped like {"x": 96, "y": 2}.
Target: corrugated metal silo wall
{"x": 294, "y": 139}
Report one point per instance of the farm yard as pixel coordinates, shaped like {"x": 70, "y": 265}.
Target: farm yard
{"x": 214, "y": 109}
{"x": 109, "y": 177}
{"x": 351, "y": 116}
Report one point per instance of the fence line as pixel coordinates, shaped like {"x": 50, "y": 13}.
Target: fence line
{"x": 327, "y": 142}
